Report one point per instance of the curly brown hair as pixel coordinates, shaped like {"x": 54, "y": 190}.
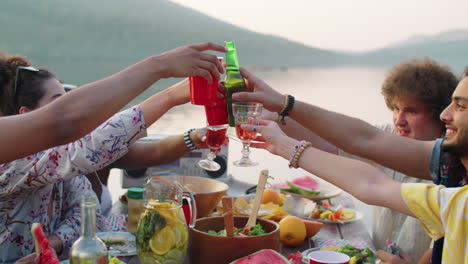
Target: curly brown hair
{"x": 29, "y": 88}
{"x": 423, "y": 79}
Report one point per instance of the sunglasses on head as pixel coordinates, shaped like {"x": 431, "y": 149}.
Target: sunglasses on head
{"x": 18, "y": 70}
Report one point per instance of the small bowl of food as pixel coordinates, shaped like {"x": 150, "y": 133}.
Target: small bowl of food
{"x": 209, "y": 243}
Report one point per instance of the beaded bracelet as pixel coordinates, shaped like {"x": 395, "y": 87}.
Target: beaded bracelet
{"x": 298, "y": 150}
{"x": 287, "y": 107}
{"x": 299, "y": 153}
{"x": 188, "y": 141}
{"x": 293, "y": 154}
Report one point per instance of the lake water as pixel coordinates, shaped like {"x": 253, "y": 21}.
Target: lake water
{"x": 352, "y": 91}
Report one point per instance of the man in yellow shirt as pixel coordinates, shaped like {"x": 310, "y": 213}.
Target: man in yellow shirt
{"x": 441, "y": 210}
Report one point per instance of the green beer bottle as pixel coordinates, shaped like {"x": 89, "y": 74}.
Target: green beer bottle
{"x": 233, "y": 82}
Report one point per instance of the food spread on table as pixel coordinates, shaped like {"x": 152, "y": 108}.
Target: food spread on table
{"x": 255, "y": 230}
{"x": 115, "y": 260}
{"x": 326, "y": 211}
{"x": 271, "y": 211}
{"x": 304, "y": 185}
{"x": 263, "y": 256}
{"x": 357, "y": 255}
{"x": 290, "y": 211}
{"x": 274, "y": 206}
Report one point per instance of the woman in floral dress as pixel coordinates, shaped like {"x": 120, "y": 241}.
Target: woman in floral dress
{"x": 46, "y": 187}
{"x": 110, "y": 95}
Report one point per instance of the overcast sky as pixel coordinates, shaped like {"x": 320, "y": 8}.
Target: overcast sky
{"x": 353, "y": 25}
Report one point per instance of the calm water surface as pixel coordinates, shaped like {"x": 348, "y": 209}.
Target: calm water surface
{"x": 352, "y": 91}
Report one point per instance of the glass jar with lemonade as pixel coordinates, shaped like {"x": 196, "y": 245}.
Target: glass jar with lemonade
{"x": 162, "y": 233}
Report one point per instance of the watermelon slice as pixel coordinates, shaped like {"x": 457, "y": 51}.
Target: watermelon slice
{"x": 43, "y": 250}
{"x": 295, "y": 258}
{"x": 264, "y": 256}
{"x": 304, "y": 185}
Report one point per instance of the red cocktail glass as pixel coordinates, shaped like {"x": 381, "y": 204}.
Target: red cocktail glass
{"x": 215, "y": 138}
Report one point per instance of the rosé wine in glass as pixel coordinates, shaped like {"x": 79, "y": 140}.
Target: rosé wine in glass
{"x": 245, "y": 135}
{"x": 246, "y": 113}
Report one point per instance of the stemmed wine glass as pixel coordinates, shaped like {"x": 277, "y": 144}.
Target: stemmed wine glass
{"x": 246, "y": 113}
{"x": 215, "y": 138}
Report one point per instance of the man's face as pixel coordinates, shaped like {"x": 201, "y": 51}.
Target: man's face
{"x": 455, "y": 117}
{"x": 413, "y": 119}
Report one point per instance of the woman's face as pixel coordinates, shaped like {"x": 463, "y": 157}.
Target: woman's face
{"x": 53, "y": 90}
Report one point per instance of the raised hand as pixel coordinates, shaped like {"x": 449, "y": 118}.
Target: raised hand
{"x": 191, "y": 60}
{"x": 198, "y": 137}
{"x": 259, "y": 91}
{"x": 272, "y": 137}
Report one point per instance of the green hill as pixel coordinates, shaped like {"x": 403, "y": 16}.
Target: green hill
{"x": 450, "y": 48}
{"x": 88, "y": 39}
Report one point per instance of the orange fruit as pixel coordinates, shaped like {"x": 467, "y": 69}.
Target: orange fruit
{"x": 271, "y": 196}
{"x": 312, "y": 227}
{"x": 292, "y": 230}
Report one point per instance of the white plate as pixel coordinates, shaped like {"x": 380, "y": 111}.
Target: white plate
{"x": 327, "y": 191}
{"x": 307, "y": 251}
{"x": 357, "y": 216}
{"x": 127, "y": 249}
{"x": 292, "y": 205}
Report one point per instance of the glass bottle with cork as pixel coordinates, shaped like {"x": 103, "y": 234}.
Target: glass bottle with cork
{"x": 88, "y": 248}
{"x": 234, "y": 82}
{"x": 135, "y": 208}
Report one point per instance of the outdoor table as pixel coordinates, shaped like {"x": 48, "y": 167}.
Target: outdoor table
{"x": 354, "y": 231}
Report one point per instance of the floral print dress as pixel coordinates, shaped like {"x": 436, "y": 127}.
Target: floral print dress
{"x": 29, "y": 186}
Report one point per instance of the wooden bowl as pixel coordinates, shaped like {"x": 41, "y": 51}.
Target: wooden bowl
{"x": 205, "y": 248}
{"x": 207, "y": 192}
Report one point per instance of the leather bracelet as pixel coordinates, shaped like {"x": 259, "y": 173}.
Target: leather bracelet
{"x": 188, "y": 141}
{"x": 288, "y": 105}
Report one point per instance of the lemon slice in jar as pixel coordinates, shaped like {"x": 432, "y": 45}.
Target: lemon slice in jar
{"x": 167, "y": 211}
{"x": 162, "y": 241}
{"x": 181, "y": 235}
